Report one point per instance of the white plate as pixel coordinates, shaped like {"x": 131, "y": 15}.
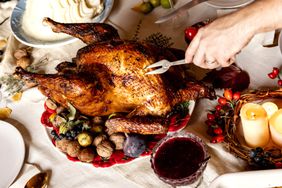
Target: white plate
{"x": 12, "y": 153}
{"x": 18, "y": 32}
{"x": 228, "y": 3}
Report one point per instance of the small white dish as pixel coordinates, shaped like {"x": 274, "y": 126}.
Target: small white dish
{"x": 280, "y": 41}
{"x": 12, "y": 153}
{"x": 228, "y": 4}
{"x": 16, "y": 25}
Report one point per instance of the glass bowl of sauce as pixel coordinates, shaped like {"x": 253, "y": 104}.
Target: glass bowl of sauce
{"x": 180, "y": 159}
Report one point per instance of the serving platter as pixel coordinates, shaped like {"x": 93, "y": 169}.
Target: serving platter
{"x": 176, "y": 124}
{"x": 12, "y": 153}
{"x": 19, "y": 33}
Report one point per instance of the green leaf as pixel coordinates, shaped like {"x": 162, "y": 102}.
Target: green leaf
{"x": 72, "y": 111}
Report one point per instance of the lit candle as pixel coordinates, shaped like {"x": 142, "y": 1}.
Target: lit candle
{"x": 275, "y": 124}
{"x": 255, "y": 125}
{"x": 270, "y": 108}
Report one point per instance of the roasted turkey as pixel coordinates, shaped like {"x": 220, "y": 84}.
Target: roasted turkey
{"x": 108, "y": 76}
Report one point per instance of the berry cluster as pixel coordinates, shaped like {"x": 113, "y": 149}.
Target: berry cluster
{"x": 275, "y": 74}
{"x": 216, "y": 118}
{"x": 264, "y": 159}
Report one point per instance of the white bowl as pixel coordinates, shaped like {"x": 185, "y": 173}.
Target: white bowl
{"x": 16, "y": 20}
{"x": 228, "y": 3}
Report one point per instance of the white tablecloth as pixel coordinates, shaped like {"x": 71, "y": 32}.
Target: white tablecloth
{"x": 255, "y": 59}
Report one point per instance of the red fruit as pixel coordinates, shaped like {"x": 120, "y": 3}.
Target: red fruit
{"x": 218, "y": 131}
{"x": 236, "y": 96}
{"x": 190, "y": 33}
{"x": 275, "y": 71}
{"x": 222, "y": 101}
{"x": 218, "y": 107}
{"x": 279, "y": 82}
{"x": 278, "y": 165}
{"x": 211, "y": 117}
{"x": 228, "y": 94}
{"x": 217, "y": 139}
{"x": 272, "y": 75}
{"x": 209, "y": 123}
{"x": 45, "y": 119}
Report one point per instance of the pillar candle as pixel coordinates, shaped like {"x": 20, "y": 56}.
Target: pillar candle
{"x": 255, "y": 125}
{"x": 275, "y": 124}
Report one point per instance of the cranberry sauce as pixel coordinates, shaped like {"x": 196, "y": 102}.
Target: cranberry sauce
{"x": 178, "y": 158}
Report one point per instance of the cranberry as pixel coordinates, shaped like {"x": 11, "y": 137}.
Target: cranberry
{"x": 218, "y": 131}
{"x": 190, "y": 33}
{"x": 211, "y": 117}
{"x": 236, "y": 96}
{"x": 222, "y": 101}
{"x": 218, "y": 139}
{"x": 275, "y": 71}
{"x": 209, "y": 123}
{"x": 218, "y": 107}
{"x": 279, "y": 82}
{"x": 272, "y": 75}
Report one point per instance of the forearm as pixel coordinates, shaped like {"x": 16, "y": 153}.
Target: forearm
{"x": 262, "y": 15}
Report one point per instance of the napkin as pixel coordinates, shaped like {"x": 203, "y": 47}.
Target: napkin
{"x": 28, "y": 171}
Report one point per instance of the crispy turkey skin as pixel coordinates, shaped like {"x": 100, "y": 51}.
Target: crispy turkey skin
{"x": 108, "y": 76}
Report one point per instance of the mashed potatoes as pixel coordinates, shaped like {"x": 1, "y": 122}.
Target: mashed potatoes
{"x": 66, "y": 11}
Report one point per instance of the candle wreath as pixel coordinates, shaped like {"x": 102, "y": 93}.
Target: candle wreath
{"x": 223, "y": 121}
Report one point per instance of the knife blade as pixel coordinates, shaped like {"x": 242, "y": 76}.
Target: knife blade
{"x": 179, "y": 10}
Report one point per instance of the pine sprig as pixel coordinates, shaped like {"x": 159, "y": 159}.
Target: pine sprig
{"x": 11, "y": 84}
{"x": 159, "y": 40}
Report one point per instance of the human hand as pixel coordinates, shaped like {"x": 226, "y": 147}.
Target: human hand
{"x": 217, "y": 44}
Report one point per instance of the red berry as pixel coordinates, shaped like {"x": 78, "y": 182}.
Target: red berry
{"x": 190, "y": 33}
{"x": 236, "y": 96}
{"x": 222, "y": 101}
{"x": 211, "y": 117}
{"x": 209, "y": 123}
{"x": 218, "y": 131}
{"x": 218, "y": 139}
{"x": 278, "y": 164}
{"x": 218, "y": 107}
{"x": 275, "y": 71}
{"x": 272, "y": 75}
{"x": 228, "y": 94}
{"x": 279, "y": 82}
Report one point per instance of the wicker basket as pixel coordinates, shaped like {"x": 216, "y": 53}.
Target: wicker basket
{"x": 232, "y": 140}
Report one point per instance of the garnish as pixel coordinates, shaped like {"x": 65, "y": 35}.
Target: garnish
{"x": 159, "y": 40}
{"x": 223, "y": 111}
{"x": 275, "y": 74}
{"x": 11, "y": 85}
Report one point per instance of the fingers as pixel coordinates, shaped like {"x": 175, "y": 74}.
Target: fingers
{"x": 192, "y": 49}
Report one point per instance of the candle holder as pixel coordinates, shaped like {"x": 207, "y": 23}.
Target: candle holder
{"x": 268, "y": 157}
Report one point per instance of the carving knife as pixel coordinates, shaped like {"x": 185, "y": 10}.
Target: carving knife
{"x": 179, "y": 10}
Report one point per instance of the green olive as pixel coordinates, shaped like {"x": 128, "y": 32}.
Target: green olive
{"x": 166, "y": 4}
{"x": 145, "y": 8}
{"x": 155, "y": 3}
{"x": 84, "y": 139}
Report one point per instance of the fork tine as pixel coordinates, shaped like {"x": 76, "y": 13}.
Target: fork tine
{"x": 157, "y": 64}
{"x": 157, "y": 71}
